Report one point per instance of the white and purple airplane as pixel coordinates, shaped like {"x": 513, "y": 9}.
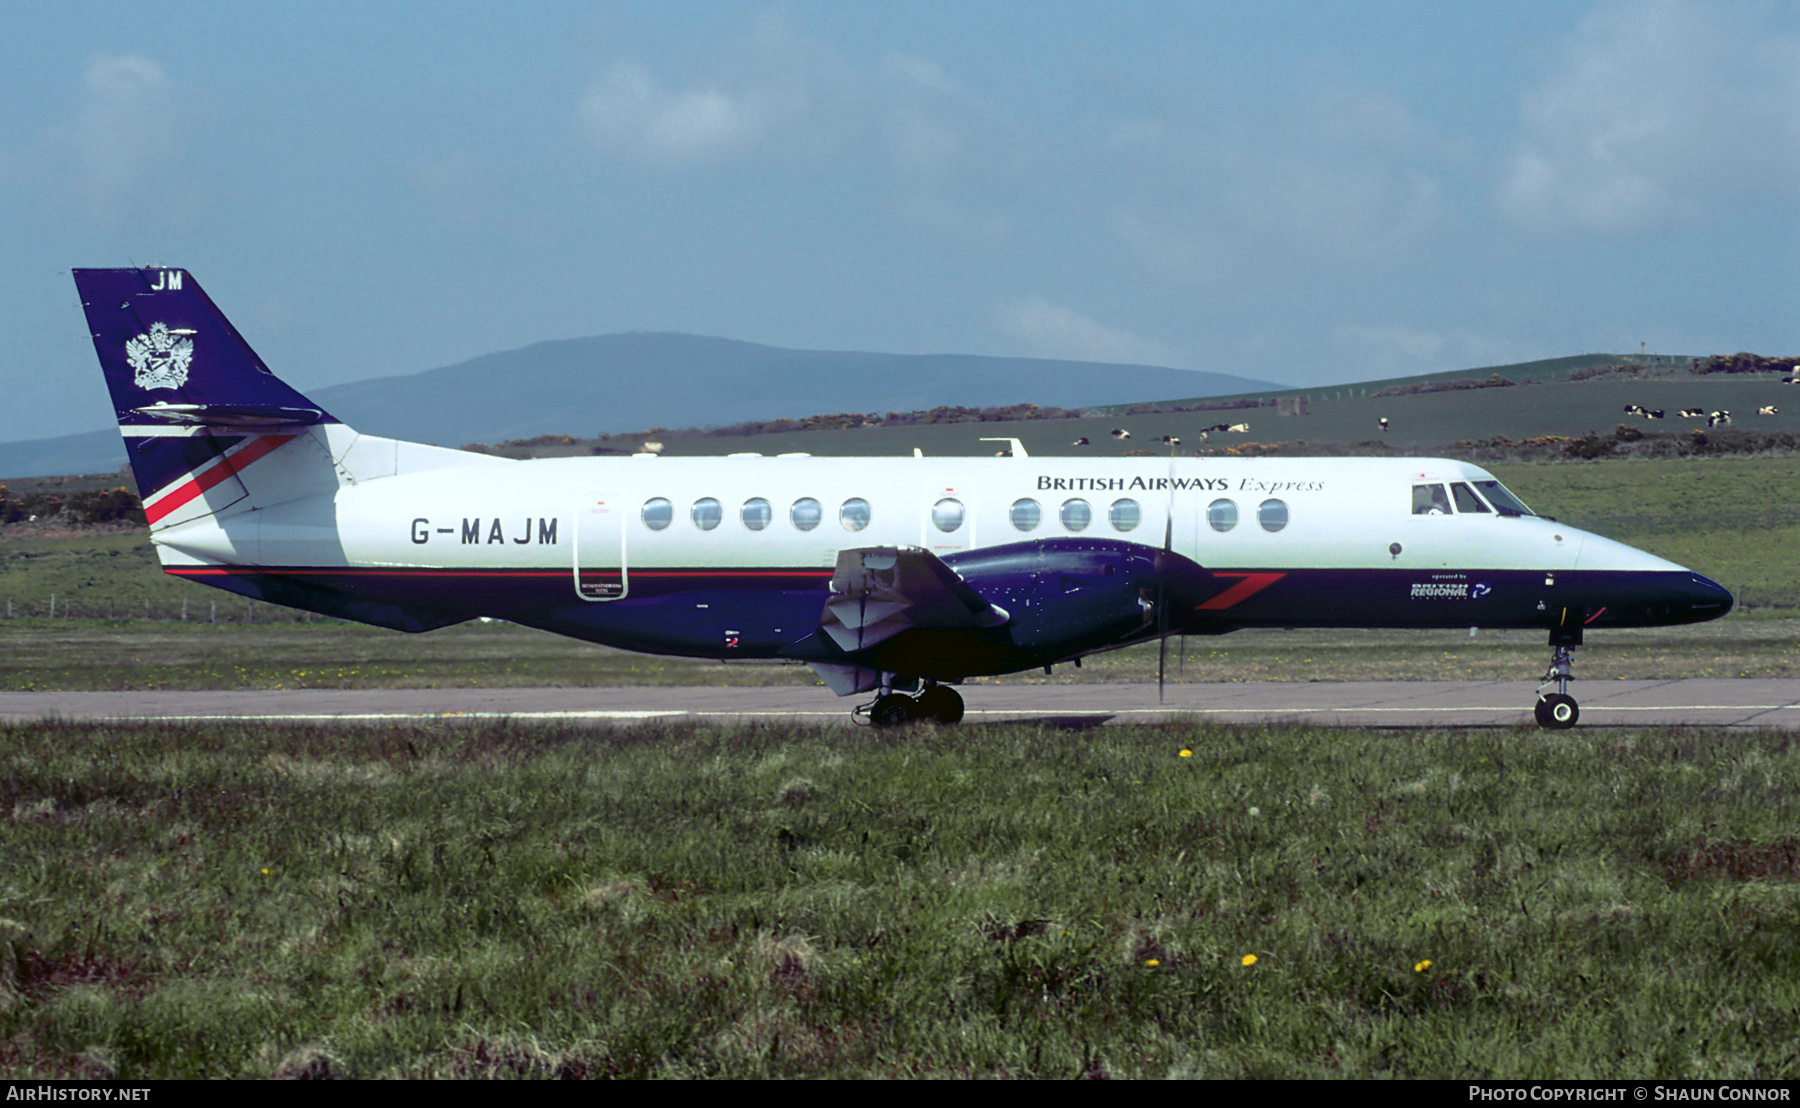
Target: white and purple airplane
{"x": 899, "y": 577}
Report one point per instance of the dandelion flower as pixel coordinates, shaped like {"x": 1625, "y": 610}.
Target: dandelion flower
{"x": 1421, "y": 967}
{"x": 1248, "y": 960}
{"x": 1153, "y": 962}
{"x": 1186, "y": 753}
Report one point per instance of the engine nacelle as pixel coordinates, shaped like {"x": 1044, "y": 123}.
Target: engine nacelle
{"x": 1070, "y": 596}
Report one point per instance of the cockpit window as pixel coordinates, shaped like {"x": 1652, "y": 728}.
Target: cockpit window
{"x": 1504, "y": 502}
{"x": 1466, "y": 500}
{"x": 1430, "y": 500}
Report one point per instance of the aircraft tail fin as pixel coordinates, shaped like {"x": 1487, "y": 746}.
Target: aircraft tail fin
{"x": 195, "y": 403}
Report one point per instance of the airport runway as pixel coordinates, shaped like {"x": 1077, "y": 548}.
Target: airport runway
{"x": 1707, "y": 703}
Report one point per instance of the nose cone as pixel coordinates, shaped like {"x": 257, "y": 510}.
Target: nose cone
{"x": 1654, "y": 599}
{"x": 1705, "y": 598}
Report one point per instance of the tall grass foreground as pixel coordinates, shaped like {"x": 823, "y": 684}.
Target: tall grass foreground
{"x": 686, "y": 899}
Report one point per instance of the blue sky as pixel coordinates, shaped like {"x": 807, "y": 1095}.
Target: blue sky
{"x": 1311, "y": 193}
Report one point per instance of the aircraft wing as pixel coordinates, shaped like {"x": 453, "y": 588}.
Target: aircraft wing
{"x": 878, "y": 592}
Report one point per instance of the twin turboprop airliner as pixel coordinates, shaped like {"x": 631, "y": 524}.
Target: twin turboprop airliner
{"x": 895, "y": 577}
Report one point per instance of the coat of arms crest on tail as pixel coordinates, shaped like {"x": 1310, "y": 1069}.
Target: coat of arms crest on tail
{"x": 160, "y": 358}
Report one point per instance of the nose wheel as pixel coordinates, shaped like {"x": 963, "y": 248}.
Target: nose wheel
{"x": 1558, "y": 711}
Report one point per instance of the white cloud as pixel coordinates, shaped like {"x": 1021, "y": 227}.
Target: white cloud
{"x": 1659, "y": 112}
{"x": 1052, "y": 331}
{"x": 1339, "y": 177}
{"x": 775, "y": 90}
{"x": 627, "y": 112}
{"x": 126, "y": 142}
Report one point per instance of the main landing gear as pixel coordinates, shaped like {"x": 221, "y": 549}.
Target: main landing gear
{"x": 938, "y": 703}
{"x": 1558, "y": 711}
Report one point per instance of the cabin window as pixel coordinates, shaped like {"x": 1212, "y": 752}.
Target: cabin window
{"x": 707, "y": 513}
{"x": 1272, "y": 514}
{"x": 806, "y": 513}
{"x": 756, "y": 513}
{"x": 1026, "y": 514}
{"x": 947, "y": 514}
{"x": 854, "y": 515}
{"x": 1466, "y": 500}
{"x": 1221, "y": 515}
{"x": 1076, "y": 515}
{"x": 658, "y": 513}
{"x": 1124, "y": 515}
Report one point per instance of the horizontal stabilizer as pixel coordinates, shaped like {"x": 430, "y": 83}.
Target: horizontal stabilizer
{"x": 237, "y": 416}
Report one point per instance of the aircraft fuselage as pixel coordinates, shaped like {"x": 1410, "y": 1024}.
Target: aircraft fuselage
{"x": 732, "y": 558}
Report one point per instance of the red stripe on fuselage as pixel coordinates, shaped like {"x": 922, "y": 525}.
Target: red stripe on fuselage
{"x": 1251, "y": 584}
{"x": 229, "y": 464}
{"x": 391, "y": 571}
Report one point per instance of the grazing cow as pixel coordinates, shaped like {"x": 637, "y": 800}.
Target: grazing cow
{"x": 1120, "y": 433}
{"x": 1794, "y": 380}
{"x": 1082, "y": 441}
{"x": 1171, "y": 440}
{"x": 1654, "y": 413}
{"x": 1692, "y": 413}
{"x": 1384, "y": 425}
{"x": 1719, "y": 419}
{"x": 1767, "y": 409}
{"x": 1239, "y": 428}
{"x": 1634, "y": 409}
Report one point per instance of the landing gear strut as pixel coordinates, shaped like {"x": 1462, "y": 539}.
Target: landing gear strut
{"x": 1558, "y": 711}
{"x": 938, "y": 703}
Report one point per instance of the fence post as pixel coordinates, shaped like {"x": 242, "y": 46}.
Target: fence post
{"x": 213, "y": 615}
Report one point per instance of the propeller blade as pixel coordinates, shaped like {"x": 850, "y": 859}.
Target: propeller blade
{"x": 1162, "y": 606}
{"x": 1162, "y": 657}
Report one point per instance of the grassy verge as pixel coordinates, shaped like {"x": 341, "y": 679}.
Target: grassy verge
{"x": 690, "y": 900}
{"x": 40, "y": 655}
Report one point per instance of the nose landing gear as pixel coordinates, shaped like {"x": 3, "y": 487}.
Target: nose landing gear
{"x": 1558, "y": 711}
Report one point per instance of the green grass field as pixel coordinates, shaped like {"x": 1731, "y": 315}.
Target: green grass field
{"x": 690, "y": 900}
{"x": 40, "y": 655}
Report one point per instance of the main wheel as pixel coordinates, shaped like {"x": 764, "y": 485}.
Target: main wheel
{"x": 1558, "y": 711}
{"x": 942, "y": 703}
{"x": 893, "y": 710}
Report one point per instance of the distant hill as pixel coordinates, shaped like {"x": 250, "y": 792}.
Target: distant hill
{"x": 614, "y": 383}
